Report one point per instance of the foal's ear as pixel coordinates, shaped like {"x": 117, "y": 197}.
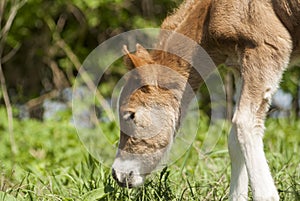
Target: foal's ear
{"x": 141, "y": 58}
{"x": 141, "y": 52}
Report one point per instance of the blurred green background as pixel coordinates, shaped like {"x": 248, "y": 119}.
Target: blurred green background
{"x": 43, "y": 34}
{"x": 45, "y": 42}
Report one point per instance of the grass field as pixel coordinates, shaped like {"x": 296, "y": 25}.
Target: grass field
{"x": 52, "y": 164}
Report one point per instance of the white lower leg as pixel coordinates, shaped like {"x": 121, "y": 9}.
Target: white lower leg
{"x": 249, "y": 135}
{"x": 259, "y": 174}
{"x": 239, "y": 177}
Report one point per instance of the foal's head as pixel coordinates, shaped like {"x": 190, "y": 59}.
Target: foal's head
{"x": 149, "y": 112}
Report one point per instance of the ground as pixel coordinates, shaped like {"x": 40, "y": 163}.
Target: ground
{"x": 52, "y": 164}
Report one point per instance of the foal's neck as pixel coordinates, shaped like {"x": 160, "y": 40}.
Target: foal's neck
{"x": 189, "y": 20}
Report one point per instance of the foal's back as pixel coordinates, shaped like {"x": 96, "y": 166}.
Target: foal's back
{"x": 289, "y": 13}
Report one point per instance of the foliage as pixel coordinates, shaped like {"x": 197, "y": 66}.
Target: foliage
{"x": 291, "y": 81}
{"x": 82, "y": 25}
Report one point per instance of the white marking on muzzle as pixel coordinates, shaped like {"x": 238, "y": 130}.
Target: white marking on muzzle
{"x": 127, "y": 172}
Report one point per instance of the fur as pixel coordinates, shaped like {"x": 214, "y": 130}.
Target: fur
{"x": 259, "y": 38}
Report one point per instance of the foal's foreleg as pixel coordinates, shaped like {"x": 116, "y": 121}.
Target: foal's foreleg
{"x": 239, "y": 175}
{"x": 262, "y": 68}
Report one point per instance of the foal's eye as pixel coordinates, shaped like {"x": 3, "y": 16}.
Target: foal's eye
{"x": 129, "y": 116}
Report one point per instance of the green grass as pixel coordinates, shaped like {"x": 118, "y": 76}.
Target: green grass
{"x": 52, "y": 164}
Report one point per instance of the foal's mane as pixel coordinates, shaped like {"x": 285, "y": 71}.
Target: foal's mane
{"x": 188, "y": 19}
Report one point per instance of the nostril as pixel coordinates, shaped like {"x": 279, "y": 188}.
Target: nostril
{"x": 130, "y": 173}
{"x": 124, "y": 180}
{"x": 114, "y": 175}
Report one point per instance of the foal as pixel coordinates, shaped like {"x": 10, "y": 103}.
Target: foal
{"x": 257, "y": 37}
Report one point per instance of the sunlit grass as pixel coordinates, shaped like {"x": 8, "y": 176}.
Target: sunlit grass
{"x": 52, "y": 164}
